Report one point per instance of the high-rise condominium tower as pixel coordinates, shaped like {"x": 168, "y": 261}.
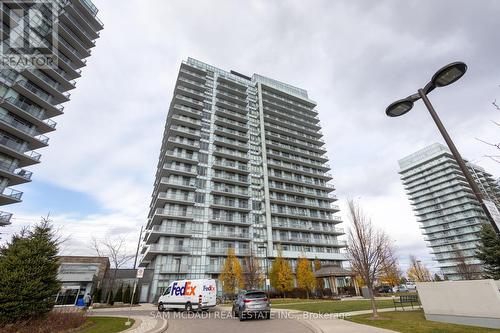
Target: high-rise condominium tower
{"x": 31, "y": 93}
{"x": 242, "y": 166}
{"x": 449, "y": 213}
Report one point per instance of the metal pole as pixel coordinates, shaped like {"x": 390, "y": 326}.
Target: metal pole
{"x": 131, "y": 302}
{"x": 137, "y": 250}
{"x": 267, "y": 272}
{"x": 458, "y": 158}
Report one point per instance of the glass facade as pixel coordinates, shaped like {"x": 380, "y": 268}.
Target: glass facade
{"x": 448, "y": 212}
{"x": 31, "y": 95}
{"x": 243, "y": 167}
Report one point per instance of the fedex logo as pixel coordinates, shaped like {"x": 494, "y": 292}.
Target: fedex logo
{"x": 186, "y": 290}
{"x": 208, "y": 288}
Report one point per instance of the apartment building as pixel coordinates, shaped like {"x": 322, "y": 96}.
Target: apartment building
{"x": 242, "y": 166}
{"x": 31, "y": 94}
{"x": 448, "y": 212}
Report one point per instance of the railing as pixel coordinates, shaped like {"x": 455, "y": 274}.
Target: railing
{"x": 234, "y": 179}
{"x": 185, "y": 130}
{"x": 11, "y": 169}
{"x": 185, "y": 108}
{"x": 14, "y": 194}
{"x": 188, "y": 99}
{"x": 79, "y": 25}
{"x": 232, "y": 219}
{"x": 231, "y": 152}
{"x": 20, "y": 126}
{"x": 28, "y": 108}
{"x": 181, "y": 155}
{"x": 232, "y": 122}
{"x": 37, "y": 91}
{"x": 230, "y": 190}
{"x": 187, "y": 119}
{"x": 179, "y": 168}
{"x": 195, "y": 144}
{"x": 174, "y": 212}
{"x": 231, "y": 142}
{"x": 224, "y": 250}
{"x": 217, "y": 233}
{"x": 166, "y": 181}
{"x": 5, "y": 217}
{"x": 231, "y": 204}
{"x": 233, "y": 165}
{"x": 186, "y": 198}
{"x": 193, "y": 73}
{"x": 168, "y": 248}
{"x": 173, "y": 230}
{"x": 231, "y": 131}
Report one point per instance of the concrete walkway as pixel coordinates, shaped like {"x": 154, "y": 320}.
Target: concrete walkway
{"x": 145, "y": 321}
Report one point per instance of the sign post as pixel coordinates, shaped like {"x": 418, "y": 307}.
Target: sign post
{"x": 138, "y": 275}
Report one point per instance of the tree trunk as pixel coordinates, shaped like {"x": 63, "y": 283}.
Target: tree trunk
{"x": 307, "y": 293}
{"x": 112, "y": 284}
{"x": 372, "y": 300}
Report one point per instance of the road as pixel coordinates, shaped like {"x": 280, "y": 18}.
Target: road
{"x": 218, "y": 320}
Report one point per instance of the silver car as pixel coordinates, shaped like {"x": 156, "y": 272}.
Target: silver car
{"x": 252, "y": 304}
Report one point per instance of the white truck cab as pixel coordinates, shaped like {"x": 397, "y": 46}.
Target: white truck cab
{"x": 197, "y": 294}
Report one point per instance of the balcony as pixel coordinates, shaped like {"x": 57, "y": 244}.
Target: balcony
{"x": 18, "y": 150}
{"x": 231, "y": 154}
{"x": 89, "y": 10}
{"x": 182, "y": 157}
{"x": 315, "y": 132}
{"x": 228, "y": 132}
{"x": 307, "y": 228}
{"x": 230, "y": 204}
{"x": 75, "y": 41}
{"x": 230, "y": 166}
{"x": 287, "y": 115}
{"x": 164, "y": 197}
{"x": 161, "y": 214}
{"x": 231, "y": 83}
{"x": 191, "y": 93}
{"x": 188, "y": 101}
{"x": 292, "y": 133}
{"x": 302, "y": 214}
{"x": 5, "y": 218}
{"x": 39, "y": 96}
{"x": 50, "y": 85}
{"x": 218, "y": 234}
{"x": 185, "y": 121}
{"x": 230, "y": 105}
{"x": 316, "y": 146}
{"x": 238, "y": 91}
{"x": 8, "y": 170}
{"x": 73, "y": 19}
{"x": 231, "y": 179}
{"x": 297, "y": 168}
{"x": 180, "y": 170}
{"x": 11, "y": 125}
{"x": 160, "y": 230}
{"x": 236, "y": 100}
{"x": 191, "y": 75}
{"x": 230, "y": 191}
{"x": 231, "y": 143}
{"x": 185, "y": 131}
{"x": 187, "y": 111}
{"x": 238, "y": 117}
{"x": 154, "y": 249}
{"x": 173, "y": 142}
{"x": 229, "y": 219}
{"x": 226, "y": 122}
{"x": 192, "y": 84}
{"x": 222, "y": 251}
{"x": 10, "y": 196}
{"x": 273, "y": 153}
{"x": 165, "y": 183}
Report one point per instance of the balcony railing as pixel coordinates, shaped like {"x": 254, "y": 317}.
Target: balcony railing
{"x": 5, "y": 218}
{"x": 224, "y": 250}
{"x": 242, "y": 167}
{"x": 11, "y": 193}
{"x": 230, "y": 190}
{"x": 174, "y": 212}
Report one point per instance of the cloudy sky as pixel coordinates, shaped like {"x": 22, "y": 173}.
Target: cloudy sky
{"x": 353, "y": 57}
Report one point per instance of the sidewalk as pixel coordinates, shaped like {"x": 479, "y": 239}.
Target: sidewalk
{"x": 144, "y": 323}
{"x": 332, "y": 323}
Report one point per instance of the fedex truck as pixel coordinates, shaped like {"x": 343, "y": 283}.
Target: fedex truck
{"x": 188, "y": 295}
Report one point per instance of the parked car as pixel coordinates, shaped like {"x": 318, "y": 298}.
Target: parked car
{"x": 188, "y": 295}
{"x": 384, "y": 289}
{"x": 411, "y": 286}
{"x": 401, "y": 289}
{"x": 252, "y": 303}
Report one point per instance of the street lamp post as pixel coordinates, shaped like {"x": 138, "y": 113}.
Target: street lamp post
{"x": 443, "y": 77}
{"x": 267, "y": 267}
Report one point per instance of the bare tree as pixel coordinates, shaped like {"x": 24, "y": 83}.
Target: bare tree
{"x": 252, "y": 272}
{"x": 369, "y": 251}
{"x": 465, "y": 270}
{"x": 494, "y": 157}
{"x": 115, "y": 249}
{"x": 417, "y": 271}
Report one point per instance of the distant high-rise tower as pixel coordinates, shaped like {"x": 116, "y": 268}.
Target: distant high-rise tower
{"x": 242, "y": 166}
{"x": 449, "y": 213}
{"x": 31, "y": 95}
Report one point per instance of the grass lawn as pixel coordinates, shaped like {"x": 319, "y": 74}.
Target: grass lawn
{"x": 334, "y": 306}
{"x": 106, "y": 325}
{"x": 414, "y": 322}
{"x": 295, "y": 300}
